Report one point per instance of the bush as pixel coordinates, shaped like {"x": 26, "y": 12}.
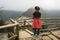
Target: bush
{"x": 1, "y": 22}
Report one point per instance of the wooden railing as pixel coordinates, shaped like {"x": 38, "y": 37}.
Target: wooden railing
{"x": 14, "y": 33}
{"x": 43, "y": 30}
{"x": 45, "y": 19}
{"x": 8, "y": 26}
{"x": 16, "y": 29}
{"x": 28, "y": 31}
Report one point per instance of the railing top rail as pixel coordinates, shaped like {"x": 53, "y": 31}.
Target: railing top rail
{"x": 50, "y": 18}
{"x": 8, "y": 26}
{"x": 13, "y": 21}
{"x": 47, "y": 19}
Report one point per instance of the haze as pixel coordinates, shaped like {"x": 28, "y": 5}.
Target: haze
{"x": 23, "y": 5}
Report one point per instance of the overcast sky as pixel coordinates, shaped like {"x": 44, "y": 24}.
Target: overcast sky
{"x": 23, "y": 5}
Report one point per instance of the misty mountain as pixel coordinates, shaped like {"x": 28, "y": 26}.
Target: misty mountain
{"x": 28, "y": 12}
{"x": 10, "y": 14}
{"x": 45, "y": 13}
{"x": 54, "y": 13}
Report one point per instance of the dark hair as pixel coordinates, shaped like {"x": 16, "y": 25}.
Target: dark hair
{"x": 37, "y": 8}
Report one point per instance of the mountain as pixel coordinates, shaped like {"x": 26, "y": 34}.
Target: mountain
{"x": 30, "y": 11}
{"x": 54, "y": 13}
{"x": 10, "y": 14}
{"x": 45, "y": 13}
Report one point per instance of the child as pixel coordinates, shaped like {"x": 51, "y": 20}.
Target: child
{"x": 36, "y": 25}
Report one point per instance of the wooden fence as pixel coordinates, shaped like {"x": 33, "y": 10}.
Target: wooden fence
{"x": 14, "y": 32}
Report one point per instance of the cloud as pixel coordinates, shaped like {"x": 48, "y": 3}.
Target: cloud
{"x": 26, "y": 4}
{"x": 50, "y": 4}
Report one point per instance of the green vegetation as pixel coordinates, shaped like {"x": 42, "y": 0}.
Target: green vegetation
{"x": 1, "y": 18}
{"x": 1, "y": 22}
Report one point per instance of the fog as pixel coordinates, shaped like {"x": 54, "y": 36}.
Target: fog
{"x": 23, "y": 5}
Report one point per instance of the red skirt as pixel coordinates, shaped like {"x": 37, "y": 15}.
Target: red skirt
{"x": 36, "y": 23}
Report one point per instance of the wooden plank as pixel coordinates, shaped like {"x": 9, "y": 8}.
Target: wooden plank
{"x": 24, "y": 34}
{"x": 28, "y": 31}
{"x": 50, "y": 29}
{"x": 17, "y": 32}
{"x": 13, "y": 20}
{"x": 28, "y": 38}
{"x": 53, "y": 37}
{"x": 44, "y": 34}
{"x": 46, "y": 19}
{"x": 50, "y": 18}
{"x": 12, "y": 37}
{"x": 56, "y": 33}
{"x": 9, "y": 25}
{"x": 46, "y": 38}
{"x": 39, "y": 38}
{"x": 30, "y": 22}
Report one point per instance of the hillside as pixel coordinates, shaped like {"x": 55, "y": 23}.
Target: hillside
{"x": 28, "y": 12}
{"x": 45, "y": 13}
{"x": 10, "y": 14}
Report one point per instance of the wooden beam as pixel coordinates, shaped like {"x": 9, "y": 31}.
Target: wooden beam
{"x": 47, "y": 19}
{"x": 13, "y": 21}
{"x": 52, "y": 24}
{"x": 53, "y": 37}
{"x": 50, "y": 18}
{"x": 8, "y": 26}
{"x": 12, "y": 37}
{"x": 50, "y": 29}
{"x": 56, "y": 34}
{"x": 29, "y": 31}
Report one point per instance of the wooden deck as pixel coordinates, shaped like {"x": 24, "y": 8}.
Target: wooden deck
{"x": 54, "y": 35}
{"x": 25, "y": 34}
{"x": 50, "y": 35}
{"x": 22, "y": 33}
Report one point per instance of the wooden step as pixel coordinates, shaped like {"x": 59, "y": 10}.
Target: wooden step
{"x": 29, "y": 31}
{"x": 31, "y": 38}
{"x": 24, "y": 34}
{"x": 53, "y": 37}
{"x": 28, "y": 38}
{"x": 56, "y": 33}
{"x": 46, "y": 38}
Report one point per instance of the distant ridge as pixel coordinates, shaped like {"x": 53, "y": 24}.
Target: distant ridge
{"x": 45, "y": 13}
{"x": 10, "y": 14}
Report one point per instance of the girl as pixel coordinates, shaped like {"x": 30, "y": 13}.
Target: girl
{"x": 36, "y": 25}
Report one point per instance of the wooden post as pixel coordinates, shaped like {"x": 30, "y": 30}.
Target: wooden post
{"x": 17, "y": 32}
{"x": 24, "y": 22}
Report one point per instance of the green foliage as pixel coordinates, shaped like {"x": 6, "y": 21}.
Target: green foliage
{"x": 1, "y": 22}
